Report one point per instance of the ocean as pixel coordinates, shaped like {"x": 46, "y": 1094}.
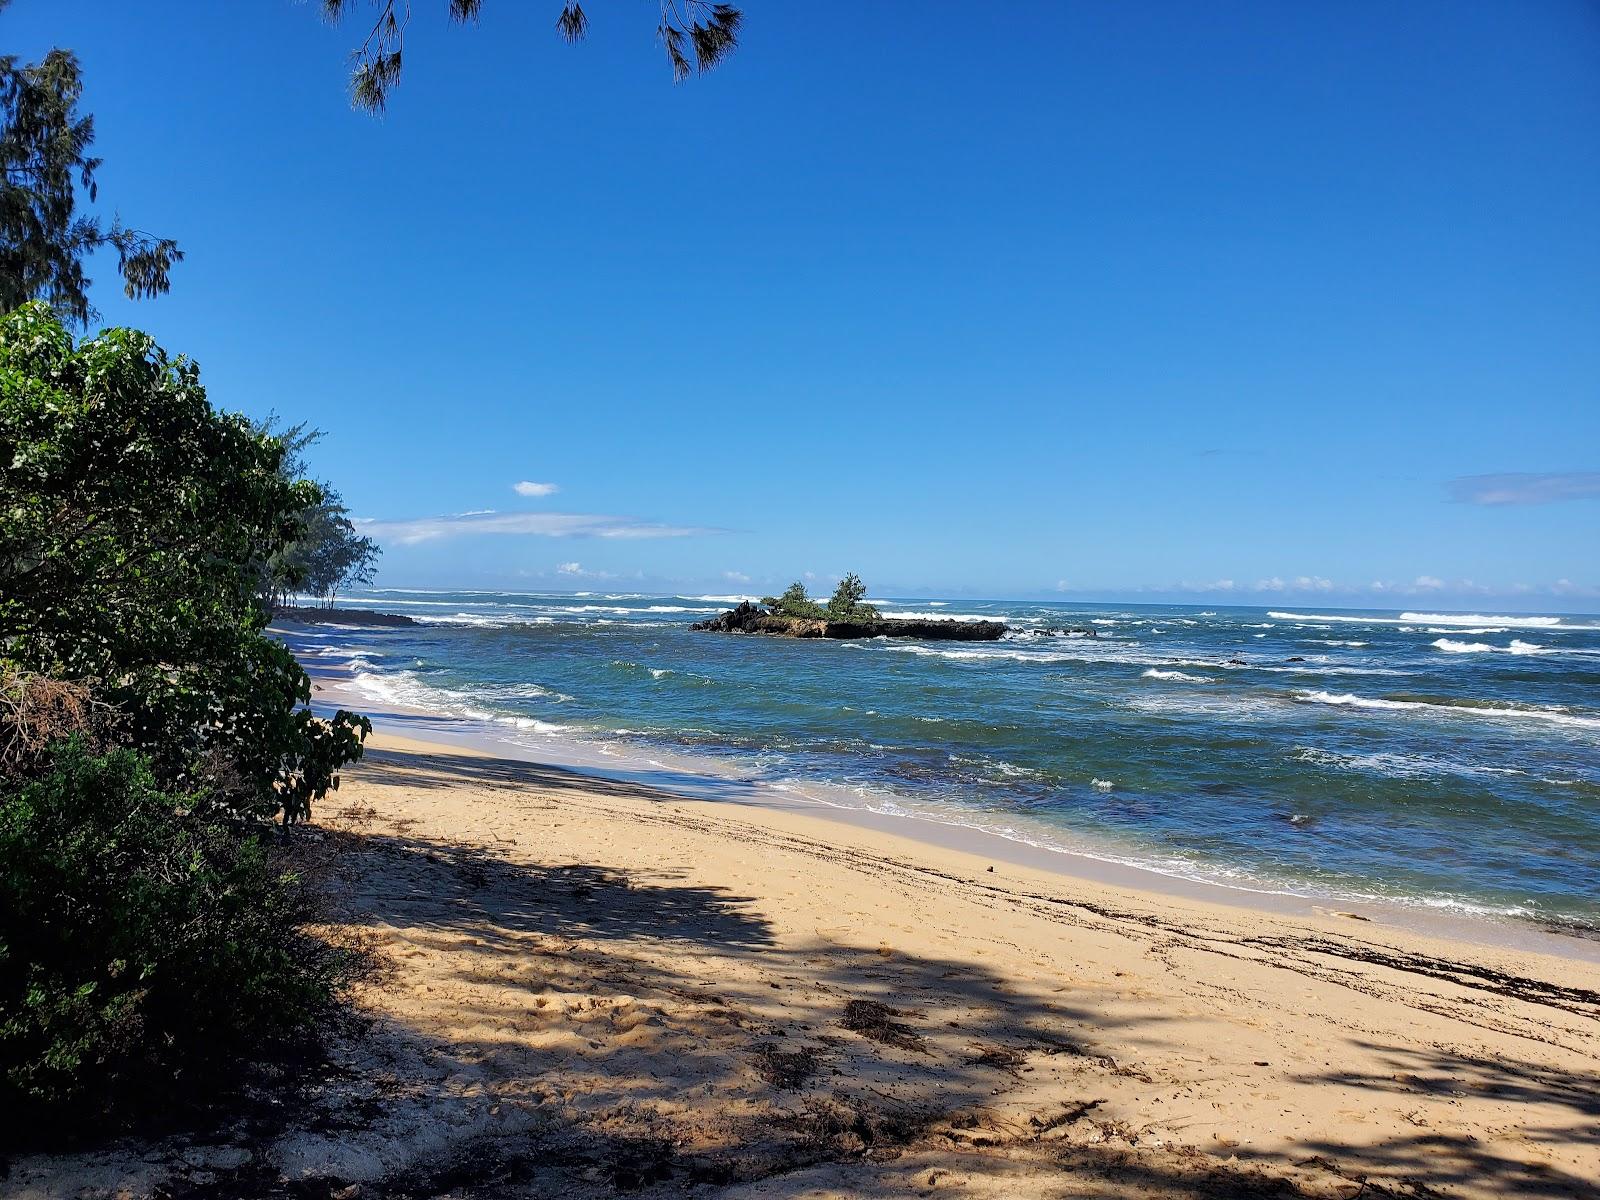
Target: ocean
{"x": 1443, "y": 760}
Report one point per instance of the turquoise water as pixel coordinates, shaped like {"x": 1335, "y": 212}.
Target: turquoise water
{"x": 1432, "y": 758}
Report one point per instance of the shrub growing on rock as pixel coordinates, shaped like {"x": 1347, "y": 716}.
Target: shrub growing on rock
{"x": 848, "y": 602}
{"x": 795, "y": 603}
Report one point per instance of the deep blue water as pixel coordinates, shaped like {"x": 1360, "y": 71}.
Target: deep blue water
{"x": 1438, "y": 759}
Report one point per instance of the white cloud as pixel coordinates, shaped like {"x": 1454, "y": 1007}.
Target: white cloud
{"x": 1427, "y": 583}
{"x": 736, "y": 577}
{"x": 1565, "y": 587}
{"x": 1525, "y": 487}
{"x": 527, "y": 487}
{"x": 579, "y": 571}
{"x": 557, "y": 525}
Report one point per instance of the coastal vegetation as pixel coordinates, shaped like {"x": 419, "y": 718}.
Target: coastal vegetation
{"x": 848, "y": 602}
{"x": 152, "y": 934}
{"x": 326, "y": 555}
{"x": 45, "y": 163}
{"x": 846, "y": 615}
{"x": 150, "y": 728}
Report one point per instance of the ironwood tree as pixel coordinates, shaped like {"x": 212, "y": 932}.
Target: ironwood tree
{"x": 695, "y": 34}
{"x": 46, "y": 173}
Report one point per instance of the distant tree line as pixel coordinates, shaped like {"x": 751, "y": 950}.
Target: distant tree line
{"x": 326, "y": 555}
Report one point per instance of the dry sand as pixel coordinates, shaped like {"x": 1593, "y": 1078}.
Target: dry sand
{"x": 589, "y": 988}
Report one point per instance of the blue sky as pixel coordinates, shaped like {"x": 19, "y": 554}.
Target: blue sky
{"x": 1244, "y": 301}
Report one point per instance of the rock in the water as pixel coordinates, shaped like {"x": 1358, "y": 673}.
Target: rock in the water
{"x": 752, "y": 618}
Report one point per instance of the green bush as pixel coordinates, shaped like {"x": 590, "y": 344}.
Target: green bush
{"x": 136, "y": 525}
{"x": 848, "y": 602}
{"x": 794, "y": 603}
{"x": 145, "y": 942}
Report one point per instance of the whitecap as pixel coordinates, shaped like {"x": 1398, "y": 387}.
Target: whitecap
{"x": 1455, "y": 621}
{"x": 1517, "y": 646}
{"x": 1346, "y": 700}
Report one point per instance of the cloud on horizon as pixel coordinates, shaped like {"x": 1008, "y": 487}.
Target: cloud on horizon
{"x": 1525, "y": 487}
{"x": 526, "y": 487}
{"x": 523, "y": 524}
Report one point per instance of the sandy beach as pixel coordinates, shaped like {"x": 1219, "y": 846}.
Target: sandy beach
{"x": 588, "y": 986}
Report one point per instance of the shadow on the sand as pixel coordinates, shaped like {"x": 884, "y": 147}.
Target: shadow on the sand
{"x": 435, "y": 886}
{"x": 917, "y": 1076}
{"x": 583, "y": 1030}
{"x": 435, "y": 771}
{"x": 1546, "y": 1096}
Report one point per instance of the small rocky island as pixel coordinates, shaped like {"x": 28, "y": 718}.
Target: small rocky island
{"x": 753, "y": 618}
{"x": 846, "y": 615}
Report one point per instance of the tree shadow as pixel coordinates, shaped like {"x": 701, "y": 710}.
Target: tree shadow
{"x": 440, "y": 772}
{"x": 460, "y": 889}
{"x": 578, "y": 1029}
{"x": 1546, "y": 1101}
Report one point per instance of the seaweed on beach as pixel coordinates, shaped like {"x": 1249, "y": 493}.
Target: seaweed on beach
{"x": 875, "y": 1020}
{"x": 787, "y": 1069}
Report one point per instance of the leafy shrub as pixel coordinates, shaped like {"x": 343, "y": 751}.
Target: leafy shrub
{"x": 145, "y": 943}
{"x": 795, "y": 603}
{"x": 135, "y": 525}
{"x": 848, "y": 601}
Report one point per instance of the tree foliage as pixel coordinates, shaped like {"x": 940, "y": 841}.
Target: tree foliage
{"x": 45, "y": 168}
{"x": 696, "y": 35}
{"x": 327, "y": 555}
{"x": 848, "y": 601}
{"x": 145, "y": 945}
{"x": 135, "y": 525}
{"x": 795, "y": 603}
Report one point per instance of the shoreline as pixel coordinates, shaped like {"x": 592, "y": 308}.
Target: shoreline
{"x": 694, "y": 777}
{"x": 588, "y": 986}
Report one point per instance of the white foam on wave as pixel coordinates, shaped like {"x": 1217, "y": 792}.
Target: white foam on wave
{"x": 1450, "y": 646}
{"x": 1475, "y": 619}
{"x": 1173, "y": 676}
{"x": 405, "y": 689}
{"x": 1396, "y": 765}
{"x": 484, "y": 620}
{"x": 1089, "y": 651}
{"x": 1346, "y": 700}
{"x": 1455, "y": 621}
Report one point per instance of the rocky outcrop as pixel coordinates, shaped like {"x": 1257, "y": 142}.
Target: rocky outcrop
{"x": 752, "y": 618}
{"x": 341, "y": 616}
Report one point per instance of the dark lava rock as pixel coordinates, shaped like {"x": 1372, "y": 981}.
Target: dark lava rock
{"x": 341, "y": 616}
